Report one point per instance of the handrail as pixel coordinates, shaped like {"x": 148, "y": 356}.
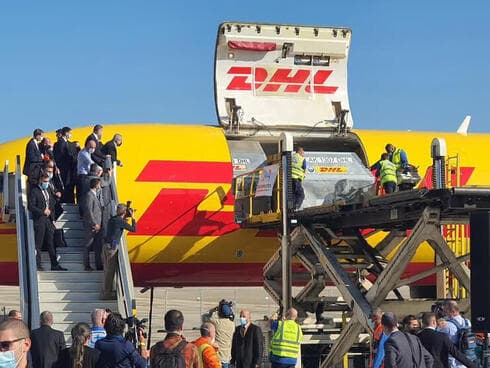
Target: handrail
{"x": 125, "y": 279}
{"x": 6, "y": 193}
{"x": 26, "y": 253}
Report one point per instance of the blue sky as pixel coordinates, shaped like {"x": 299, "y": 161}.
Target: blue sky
{"x": 419, "y": 65}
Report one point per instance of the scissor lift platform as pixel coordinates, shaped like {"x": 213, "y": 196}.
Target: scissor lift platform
{"x": 328, "y": 241}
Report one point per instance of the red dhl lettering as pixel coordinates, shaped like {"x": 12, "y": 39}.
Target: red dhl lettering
{"x": 331, "y": 169}
{"x": 287, "y": 80}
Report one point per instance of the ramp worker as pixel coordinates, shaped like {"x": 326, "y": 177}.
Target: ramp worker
{"x": 378, "y": 341}
{"x": 286, "y": 341}
{"x": 387, "y": 174}
{"x": 208, "y": 352}
{"x": 398, "y": 156}
{"x": 298, "y": 170}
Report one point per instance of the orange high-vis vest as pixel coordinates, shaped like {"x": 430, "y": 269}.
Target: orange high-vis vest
{"x": 377, "y": 334}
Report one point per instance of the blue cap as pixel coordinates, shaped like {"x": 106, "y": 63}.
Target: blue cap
{"x": 226, "y": 310}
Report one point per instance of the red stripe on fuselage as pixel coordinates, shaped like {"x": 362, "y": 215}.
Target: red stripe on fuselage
{"x": 186, "y": 172}
{"x": 175, "y": 212}
{"x": 9, "y": 273}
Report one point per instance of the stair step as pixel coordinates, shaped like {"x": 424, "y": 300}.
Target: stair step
{"x": 68, "y": 225}
{"x": 56, "y": 286}
{"x": 69, "y": 256}
{"x": 78, "y": 307}
{"x": 70, "y": 276}
{"x": 74, "y": 234}
{"x": 69, "y": 296}
{"x": 71, "y": 317}
{"x": 70, "y": 266}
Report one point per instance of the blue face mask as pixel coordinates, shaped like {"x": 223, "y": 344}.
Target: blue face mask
{"x": 8, "y": 359}
{"x": 44, "y": 185}
{"x": 243, "y": 321}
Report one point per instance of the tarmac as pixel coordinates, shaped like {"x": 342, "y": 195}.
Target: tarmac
{"x": 192, "y": 301}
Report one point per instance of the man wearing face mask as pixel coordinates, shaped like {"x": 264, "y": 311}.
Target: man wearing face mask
{"x": 247, "y": 344}
{"x": 33, "y": 152}
{"x": 411, "y": 324}
{"x": 92, "y": 222}
{"x": 208, "y": 352}
{"x": 14, "y": 344}
{"x": 84, "y": 162}
{"x": 110, "y": 149}
{"x": 41, "y": 203}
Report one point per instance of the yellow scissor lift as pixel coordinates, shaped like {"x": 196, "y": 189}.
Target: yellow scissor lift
{"x": 328, "y": 242}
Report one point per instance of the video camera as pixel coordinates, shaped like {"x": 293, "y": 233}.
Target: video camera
{"x": 129, "y": 210}
{"x": 438, "y": 310}
{"x": 225, "y": 309}
{"x": 135, "y": 327}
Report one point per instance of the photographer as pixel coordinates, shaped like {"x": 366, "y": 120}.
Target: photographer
{"x": 223, "y": 317}
{"x": 115, "y": 350}
{"x": 117, "y": 224}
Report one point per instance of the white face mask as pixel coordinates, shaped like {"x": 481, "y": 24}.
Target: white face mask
{"x": 243, "y": 321}
{"x": 91, "y": 150}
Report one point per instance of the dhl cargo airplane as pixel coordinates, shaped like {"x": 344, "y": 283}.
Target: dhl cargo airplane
{"x": 179, "y": 177}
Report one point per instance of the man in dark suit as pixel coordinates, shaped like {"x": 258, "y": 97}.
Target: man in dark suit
{"x": 439, "y": 344}
{"x": 92, "y": 221}
{"x": 65, "y": 159}
{"x": 47, "y": 343}
{"x": 98, "y": 157}
{"x": 33, "y": 153}
{"x": 110, "y": 149}
{"x": 403, "y": 350}
{"x": 247, "y": 344}
{"x": 42, "y": 203}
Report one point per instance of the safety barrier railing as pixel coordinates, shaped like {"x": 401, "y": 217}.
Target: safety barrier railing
{"x": 5, "y": 211}
{"x": 258, "y": 195}
{"x": 125, "y": 286}
{"x": 456, "y": 235}
{"x": 26, "y": 252}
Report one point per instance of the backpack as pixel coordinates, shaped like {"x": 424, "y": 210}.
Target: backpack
{"x": 168, "y": 358}
{"x": 466, "y": 339}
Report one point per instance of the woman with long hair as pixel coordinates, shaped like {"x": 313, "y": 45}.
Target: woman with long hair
{"x": 79, "y": 355}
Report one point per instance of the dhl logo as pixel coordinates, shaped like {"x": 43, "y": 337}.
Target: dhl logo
{"x": 284, "y": 80}
{"x": 331, "y": 169}
{"x": 174, "y": 211}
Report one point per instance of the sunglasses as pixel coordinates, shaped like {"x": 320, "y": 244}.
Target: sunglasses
{"x": 5, "y": 345}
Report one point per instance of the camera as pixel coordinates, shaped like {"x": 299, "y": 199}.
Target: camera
{"x": 135, "y": 328}
{"x": 129, "y": 210}
{"x": 438, "y": 310}
{"x": 225, "y": 309}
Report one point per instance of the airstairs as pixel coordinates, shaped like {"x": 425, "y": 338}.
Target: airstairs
{"x": 70, "y": 295}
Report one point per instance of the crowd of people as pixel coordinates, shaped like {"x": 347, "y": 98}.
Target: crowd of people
{"x": 104, "y": 344}
{"x": 64, "y": 172}
{"x": 437, "y": 340}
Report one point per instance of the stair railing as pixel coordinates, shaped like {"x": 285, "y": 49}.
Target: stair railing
{"x": 26, "y": 253}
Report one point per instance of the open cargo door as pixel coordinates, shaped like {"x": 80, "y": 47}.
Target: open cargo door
{"x": 280, "y": 76}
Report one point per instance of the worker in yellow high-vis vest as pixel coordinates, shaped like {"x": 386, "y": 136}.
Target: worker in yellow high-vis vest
{"x": 398, "y": 156}
{"x": 286, "y": 341}
{"x": 387, "y": 174}
{"x": 298, "y": 172}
